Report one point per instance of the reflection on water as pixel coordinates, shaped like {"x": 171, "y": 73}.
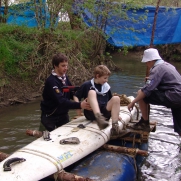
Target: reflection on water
{"x": 164, "y": 158}
{"x": 14, "y": 122}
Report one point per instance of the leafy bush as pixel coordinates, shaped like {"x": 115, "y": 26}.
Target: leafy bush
{"x": 16, "y": 47}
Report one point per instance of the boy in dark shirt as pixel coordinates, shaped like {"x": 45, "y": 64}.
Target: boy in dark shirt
{"x": 56, "y": 103}
{"x": 98, "y": 94}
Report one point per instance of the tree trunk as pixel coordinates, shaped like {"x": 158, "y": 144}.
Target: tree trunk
{"x": 153, "y": 31}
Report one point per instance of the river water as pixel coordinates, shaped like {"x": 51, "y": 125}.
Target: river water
{"x": 164, "y": 158}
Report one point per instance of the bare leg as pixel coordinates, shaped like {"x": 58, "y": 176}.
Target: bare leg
{"x": 114, "y": 106}
{"x": 92, "y": 100}
{"x": 143, "y": 123}
{"x": 144, "y": 107}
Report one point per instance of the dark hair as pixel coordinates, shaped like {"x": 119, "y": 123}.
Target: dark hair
{"x": 58, "y": 58}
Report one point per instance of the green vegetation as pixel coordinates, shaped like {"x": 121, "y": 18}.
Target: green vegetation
{"x": 17, "y": 45}
{"x": 25, "y": 49}
{"x": 25, "y": 53}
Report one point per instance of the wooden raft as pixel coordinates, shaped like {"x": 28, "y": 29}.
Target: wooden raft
{"x": 136, "y": 136}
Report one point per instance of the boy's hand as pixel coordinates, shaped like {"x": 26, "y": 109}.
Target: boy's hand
{"x": 85, "y": 105}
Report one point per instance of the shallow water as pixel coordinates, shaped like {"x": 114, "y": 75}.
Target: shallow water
{"x": 164, "y": 158}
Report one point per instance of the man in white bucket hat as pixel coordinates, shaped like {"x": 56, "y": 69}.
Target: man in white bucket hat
{"x": 163, "y": 87}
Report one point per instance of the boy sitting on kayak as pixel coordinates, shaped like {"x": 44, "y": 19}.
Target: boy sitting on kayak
{"x": 98, "y": 94}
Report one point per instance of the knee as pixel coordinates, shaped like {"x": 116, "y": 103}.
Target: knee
{"x": 91, "y": 93}
{"x": 116, "y": 99}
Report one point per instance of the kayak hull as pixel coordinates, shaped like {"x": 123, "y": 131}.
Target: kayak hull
{"x": 46, "y": 157}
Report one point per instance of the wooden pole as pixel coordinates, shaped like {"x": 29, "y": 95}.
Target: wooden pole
{"x": 120, "y": 149}
{"x": 3, "y": 156}
{"x": 154, "y": 23}
{"x": 151, "y": 42}
{"x": 65, "y": 176}
{"x": 153, "y": 31}
{"x": 34, "y": 133}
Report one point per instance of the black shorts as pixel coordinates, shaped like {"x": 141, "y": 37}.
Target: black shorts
{"x": 90, "y": 115}
{"x": 54, "y": 121}
{"x": 158, "y": 98}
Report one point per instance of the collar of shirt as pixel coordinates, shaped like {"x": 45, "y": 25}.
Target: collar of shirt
{"x": 105, "y": 87}
{"x": 63, "y": 78}
{"x": 159, "y": 61}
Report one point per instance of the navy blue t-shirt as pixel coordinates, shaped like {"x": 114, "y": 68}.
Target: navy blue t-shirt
{"x": 54, "y": 100}
{"x": 86, "y": 86}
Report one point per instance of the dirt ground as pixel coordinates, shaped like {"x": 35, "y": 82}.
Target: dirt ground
{"x": 18, "y": 92}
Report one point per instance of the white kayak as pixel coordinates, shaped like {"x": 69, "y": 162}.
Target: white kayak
{"x": 42, "y": 158}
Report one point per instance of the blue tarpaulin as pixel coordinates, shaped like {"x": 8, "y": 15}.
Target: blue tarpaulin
{"x": 25, "y": 14}
{"x": 121, "y": 32}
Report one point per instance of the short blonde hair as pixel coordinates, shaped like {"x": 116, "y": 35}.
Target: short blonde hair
{"x": 101, "y": 70}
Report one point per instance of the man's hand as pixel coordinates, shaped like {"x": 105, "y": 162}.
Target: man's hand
{"x": 146, "y": 78}
{"x": 130, "y": 106}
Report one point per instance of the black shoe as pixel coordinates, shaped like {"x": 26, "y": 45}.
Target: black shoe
{"x": 142, "y": 125}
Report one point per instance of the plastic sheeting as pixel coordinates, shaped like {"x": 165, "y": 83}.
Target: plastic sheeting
{"x": 24, "y": 14}
{"x": 121, "y": 32}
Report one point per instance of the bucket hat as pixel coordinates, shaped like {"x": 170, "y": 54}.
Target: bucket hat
{"x": 150, "y": 54}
